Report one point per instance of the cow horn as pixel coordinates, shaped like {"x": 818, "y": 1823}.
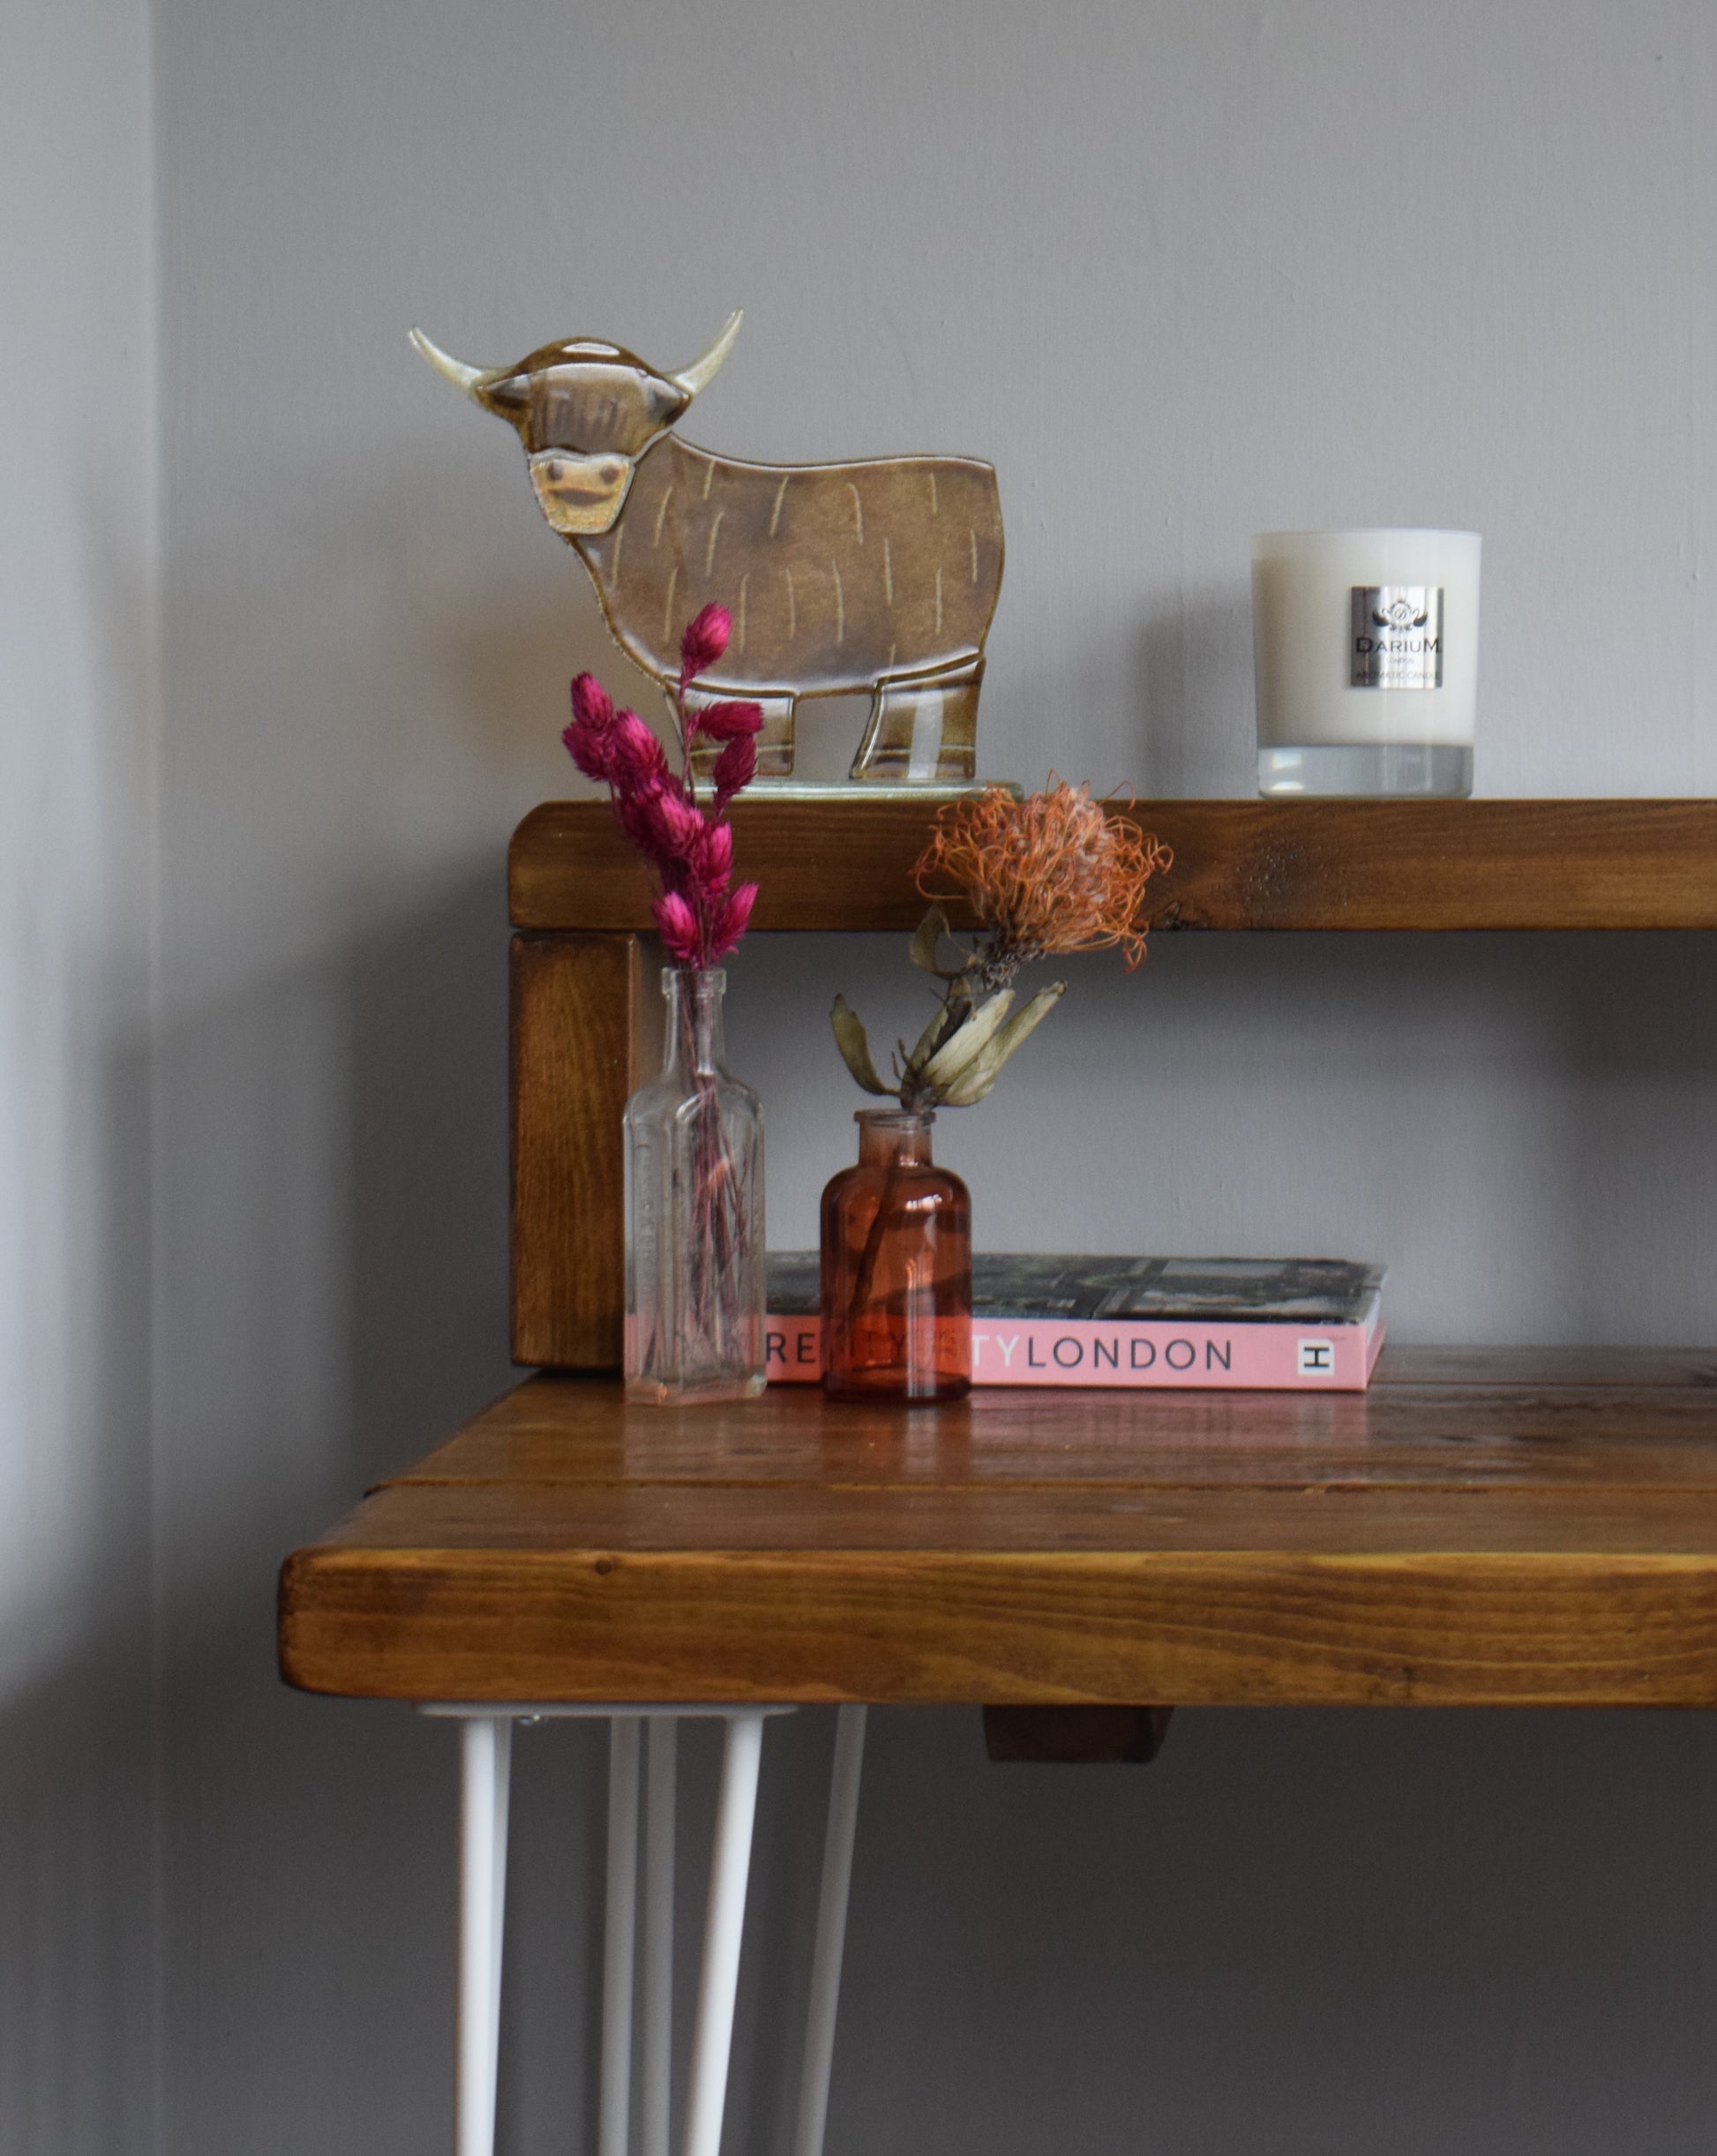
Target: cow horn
{"x": 472, "y": 380}
{"x": 701, "y": 372}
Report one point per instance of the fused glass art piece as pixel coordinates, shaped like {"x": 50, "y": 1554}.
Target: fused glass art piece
{"x": 877, "y": 578}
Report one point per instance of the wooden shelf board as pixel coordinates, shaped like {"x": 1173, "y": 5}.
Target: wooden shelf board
{"x": 1242, "y": 864}
{"x": 1483, "y": 1528}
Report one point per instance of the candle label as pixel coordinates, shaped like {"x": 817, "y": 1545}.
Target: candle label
{"x": 1397, "y": 636}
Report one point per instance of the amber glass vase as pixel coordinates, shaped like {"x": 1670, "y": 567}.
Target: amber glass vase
{"x": 896, "y": 1269}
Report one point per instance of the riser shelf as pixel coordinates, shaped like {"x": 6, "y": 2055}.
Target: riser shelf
{"x": 1271, "y": 865}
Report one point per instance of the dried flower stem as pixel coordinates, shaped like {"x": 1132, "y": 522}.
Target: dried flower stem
{"x": 689, "y": 846}
{"x": 700, "y": 914}
{"x": 1051, "y": 874}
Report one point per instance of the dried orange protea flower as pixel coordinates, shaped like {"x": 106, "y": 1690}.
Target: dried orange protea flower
{"x": 1052, "y": 873}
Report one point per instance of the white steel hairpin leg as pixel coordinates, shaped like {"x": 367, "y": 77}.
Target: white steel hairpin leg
{"x": 659, "y": 1932}
{"x": 831, "y": 1931}
{"x": 486, "y": 1751}
{"x": 619, "y": 1928}
{"x": 729, "y": 1867}
{"x": 486, "y": 1745}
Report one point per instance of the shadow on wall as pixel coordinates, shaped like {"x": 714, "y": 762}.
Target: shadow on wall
{"x": 429, "y": 1192}
{"x": 76, "y": 1901}
{"x": 334, "y": 1217}
{"x": 1296, "y": 1933}
{"x": 77, "y": 1898}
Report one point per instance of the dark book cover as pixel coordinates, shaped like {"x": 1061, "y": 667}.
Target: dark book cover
{"x": 1229, "y": 1290}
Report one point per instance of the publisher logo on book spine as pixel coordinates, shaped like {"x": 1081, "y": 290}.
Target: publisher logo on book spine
{"x": 1396, "y": 636}
{"x": 1317, "y": 1358}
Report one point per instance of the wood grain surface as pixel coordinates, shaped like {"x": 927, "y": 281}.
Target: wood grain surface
{"x": 585, "y": 1031}
{"x": 1520, "y": 1540}
{"x": 1241, "y": 864}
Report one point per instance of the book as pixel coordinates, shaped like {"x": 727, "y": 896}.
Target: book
{"x": 1271, "y": 1323}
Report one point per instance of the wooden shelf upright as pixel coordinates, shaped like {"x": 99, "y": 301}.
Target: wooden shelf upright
{"x": 584, "y": 1010}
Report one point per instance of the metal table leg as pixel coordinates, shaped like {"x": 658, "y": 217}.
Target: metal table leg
{"x": 486, "y": 1751}
{"x": 712, "y": 2038}
{"x": 486, "y": 1745}
{"x": 659, "y": 1932}
{"x": 831, "y": 1932}
{"x": 619, "y": 1929}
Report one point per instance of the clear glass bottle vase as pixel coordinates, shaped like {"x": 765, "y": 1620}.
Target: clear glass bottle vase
{"x": 694, "y": 1255}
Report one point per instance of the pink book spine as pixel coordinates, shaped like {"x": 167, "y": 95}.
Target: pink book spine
{"x": 1136, "y": 1353}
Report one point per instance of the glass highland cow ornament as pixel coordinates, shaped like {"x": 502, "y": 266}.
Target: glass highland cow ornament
{"x": 877, "y": 578}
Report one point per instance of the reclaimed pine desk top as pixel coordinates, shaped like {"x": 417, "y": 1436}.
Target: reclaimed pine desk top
{"x": 1503, "y": 1527}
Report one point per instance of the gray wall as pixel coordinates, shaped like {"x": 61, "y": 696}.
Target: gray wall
{"x": 1183, "y": 272}
{"x": 78, "y": 606}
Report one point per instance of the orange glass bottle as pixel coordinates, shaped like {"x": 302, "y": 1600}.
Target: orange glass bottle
{"x": 896, "y": 1269}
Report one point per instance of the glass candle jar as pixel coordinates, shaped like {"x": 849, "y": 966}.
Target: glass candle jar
{"x": 1365, "y": 645}
{"x": 896, "y": 1269}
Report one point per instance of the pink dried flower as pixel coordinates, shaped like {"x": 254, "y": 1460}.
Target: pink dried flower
{"x": 704, "y": 641}
{"x": 679, "y": 926}
{"x": 712, "y": 858}
{"x": 591, "y": 750}
{"x": 676, "y": 826}
{"x": 736, "y": 767}
{"x": 589, "y": 739}
{"x": 727, "y": 722}
{"x": 657, "y": 808}
{"x": 634, "y": 811}
{"x": 591, "y": 706}
{"x": 638, "y": 755}
{"x": 731, "y": 922}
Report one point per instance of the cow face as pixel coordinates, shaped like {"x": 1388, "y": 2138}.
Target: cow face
{"x": 585, "y": 413}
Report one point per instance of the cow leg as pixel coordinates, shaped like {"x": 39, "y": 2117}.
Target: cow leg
{"x": 923, "y": 729}
{"x": 774, "y": 739}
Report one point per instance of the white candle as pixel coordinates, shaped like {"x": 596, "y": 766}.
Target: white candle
{"x": 1367, "y": 650}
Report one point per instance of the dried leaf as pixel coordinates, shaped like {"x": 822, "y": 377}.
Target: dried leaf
{"x": 926, "y": 946}
{"x": 929, "y": 933}
{"x": 976, "y": 1080}
{"x": 926, "y": 1039}
{"x": 855, "y": 1049}
{"x": 973, "y": 1037}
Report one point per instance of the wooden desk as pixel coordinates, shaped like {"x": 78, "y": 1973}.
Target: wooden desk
{"x": 1484, "y": 1529}
{"x": 1501, "y": 1529}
